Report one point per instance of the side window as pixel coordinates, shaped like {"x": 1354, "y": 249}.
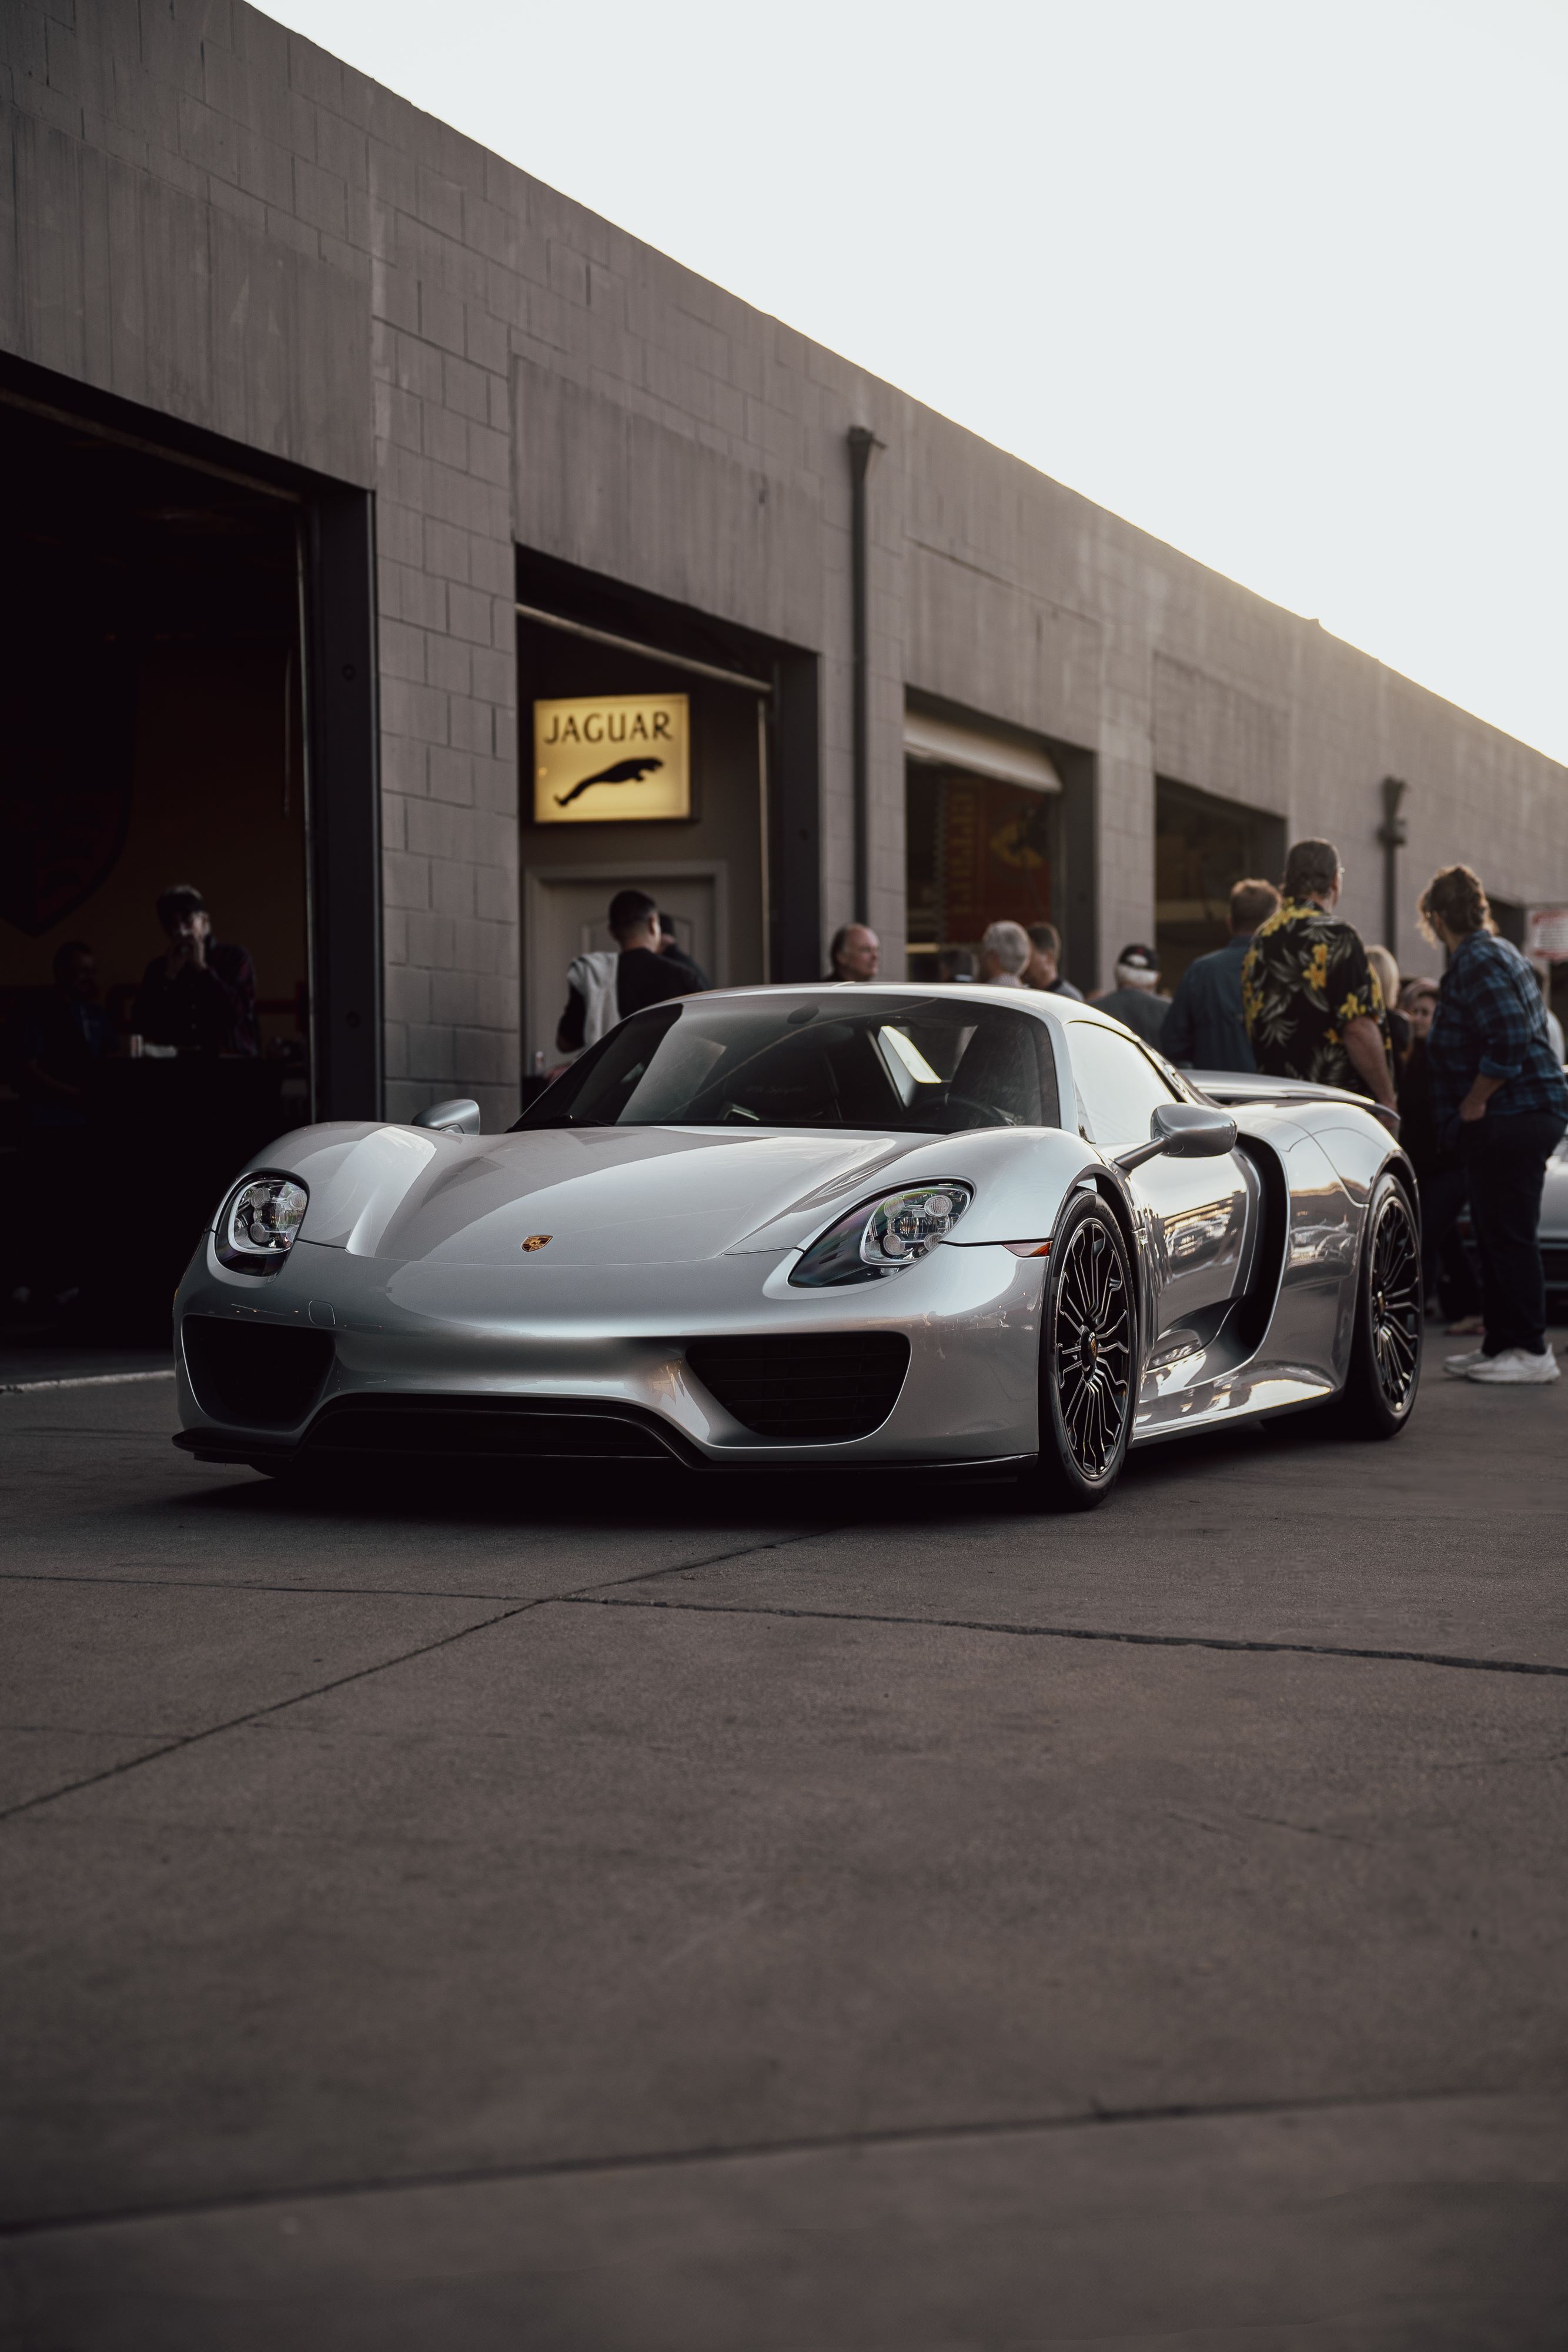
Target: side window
{"x": 1118, "y": 1085}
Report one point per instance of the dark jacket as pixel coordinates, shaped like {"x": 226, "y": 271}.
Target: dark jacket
{"x": 1417, "y": 1126}
{"x": 210, "y": 1009}
{"x": 642, "y": 977}
{"x": 1203, "y": 1028}
{"x": 1140, "y": 1009}
{"x": 695, "y": 977}
{"x": 55, "y": 1038}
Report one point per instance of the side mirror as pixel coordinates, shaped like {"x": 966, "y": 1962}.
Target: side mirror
{"x": 459, "y": 1116}
{"x": 1184, "y": 1131}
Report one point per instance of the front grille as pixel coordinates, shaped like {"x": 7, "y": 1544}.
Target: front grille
{"x": 492, "y": 1428}
{"x": 841, "y": 1385}
{"x": 260, "y": 1375}
{"x": 1555, "y": 1259}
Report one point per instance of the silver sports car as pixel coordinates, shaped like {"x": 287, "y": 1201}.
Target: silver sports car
{"x": 815, "y": 1226}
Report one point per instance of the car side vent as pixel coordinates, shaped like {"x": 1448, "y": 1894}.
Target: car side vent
{"x": 257, "y": 1375}
{"x": 840, "y": 1385}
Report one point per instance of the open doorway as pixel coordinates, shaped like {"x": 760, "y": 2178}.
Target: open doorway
{"x": 1202, "y": 845}
{"x": 982, "y": 836}
{"x": 151, "y": 617}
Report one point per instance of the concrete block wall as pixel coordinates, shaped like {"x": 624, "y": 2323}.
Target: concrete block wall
{"x": 222, "y": 222}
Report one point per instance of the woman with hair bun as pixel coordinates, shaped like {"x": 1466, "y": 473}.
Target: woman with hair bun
{"x": 1500, "y": 1096}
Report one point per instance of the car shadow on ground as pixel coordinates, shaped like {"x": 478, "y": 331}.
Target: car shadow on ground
{"x": 441, "y": 1498}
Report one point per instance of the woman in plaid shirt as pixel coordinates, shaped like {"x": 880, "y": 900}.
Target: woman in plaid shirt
{"x": 1500, "y": 1094}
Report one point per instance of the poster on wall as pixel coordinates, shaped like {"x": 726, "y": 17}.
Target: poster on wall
{"x": 1546, "y": 934}
{"x": 612, "y": 758}
{"x": 993, "y": 855}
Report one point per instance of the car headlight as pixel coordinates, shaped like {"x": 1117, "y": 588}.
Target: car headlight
{"x": 259, "y": 1223}
{"x": 880, "y": 1237}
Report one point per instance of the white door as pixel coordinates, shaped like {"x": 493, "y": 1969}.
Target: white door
{"x": 566, "y": 914}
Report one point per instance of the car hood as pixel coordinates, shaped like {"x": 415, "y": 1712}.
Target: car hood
{"x": 605, "y": 1196}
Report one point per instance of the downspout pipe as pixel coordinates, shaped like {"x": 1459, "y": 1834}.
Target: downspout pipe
{"x": 1393, "y": 833}
{"x": 863, "y": 444}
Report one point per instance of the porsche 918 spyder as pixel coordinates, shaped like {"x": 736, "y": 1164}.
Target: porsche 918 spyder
{"x": 895, "y": 1225}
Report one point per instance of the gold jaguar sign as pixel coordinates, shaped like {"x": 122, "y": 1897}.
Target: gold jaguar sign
{"x": 612, "y": 758}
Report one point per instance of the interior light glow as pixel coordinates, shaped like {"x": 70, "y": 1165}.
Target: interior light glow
{"x": 910, "y": 1054}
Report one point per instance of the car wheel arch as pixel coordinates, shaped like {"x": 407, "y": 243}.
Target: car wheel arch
{"x": 1116, "y": 1198}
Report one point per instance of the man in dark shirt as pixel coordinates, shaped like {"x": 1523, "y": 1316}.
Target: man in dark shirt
{"x": 1312, "y": 1003}
{"x": 1203, "y": 1028}
{"x": 1500, "y": 1094}
{"x": 855, "y": 953}
{"x": 605, "y": 985}
{"x": 61, "y": 1036}
{"x": 199, "y": 996}
{"x": 1044, "y": 969}
{"x": 670, "y": 945}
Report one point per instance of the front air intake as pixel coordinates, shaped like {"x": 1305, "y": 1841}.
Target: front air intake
{"x": 814, "y": 1391}
{"x": 405, "y": 1429}
{"x": 255, "y": 1375}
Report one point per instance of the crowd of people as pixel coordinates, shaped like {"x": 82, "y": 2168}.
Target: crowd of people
{"x": 1471, "y": 1063}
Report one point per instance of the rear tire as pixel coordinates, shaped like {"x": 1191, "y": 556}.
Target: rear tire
{"x": 1380, "y": 1388}
{"x": 1088, "y": 1351}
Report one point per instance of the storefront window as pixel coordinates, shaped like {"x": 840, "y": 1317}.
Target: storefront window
{"x": 1202, "y": 845}
{"x": 979, "y": 850}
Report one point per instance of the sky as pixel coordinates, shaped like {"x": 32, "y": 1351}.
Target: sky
{"x": 1284, "y": 282}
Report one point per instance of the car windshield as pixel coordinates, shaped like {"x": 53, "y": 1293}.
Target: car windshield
{"x": 929, "y": 1065}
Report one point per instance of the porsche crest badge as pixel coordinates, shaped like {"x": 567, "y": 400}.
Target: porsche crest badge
{"x": 535, "y": 1241}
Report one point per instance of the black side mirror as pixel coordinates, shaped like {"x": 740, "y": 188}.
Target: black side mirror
{"x": 459, "y": 1116}
{"x": 1184, "y": 1131}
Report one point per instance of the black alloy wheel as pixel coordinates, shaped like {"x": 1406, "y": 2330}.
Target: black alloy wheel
{"x": 1087, "y": 1364}
{"x": 1385, "y": 1346}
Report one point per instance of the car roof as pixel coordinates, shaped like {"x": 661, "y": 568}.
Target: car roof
{"x": 1044, "y": 1005}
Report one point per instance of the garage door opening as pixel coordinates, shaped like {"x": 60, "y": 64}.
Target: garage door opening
{"x": 154, "y": 737}
{"x": 667, "y": 751}
{"x": 982, "y": 838}
{"x": 1202, "y": 845}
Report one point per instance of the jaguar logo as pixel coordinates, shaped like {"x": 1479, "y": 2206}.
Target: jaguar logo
{"x": 623, "y": 771}
{"x": 535, "y": 1241}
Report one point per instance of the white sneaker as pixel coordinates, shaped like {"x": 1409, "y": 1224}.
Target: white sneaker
{"x": 1514, "y": 1369}
{"x": 1458, "y": 1366}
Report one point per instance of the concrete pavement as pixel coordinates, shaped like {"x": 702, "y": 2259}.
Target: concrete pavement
{"x": 789, "y": 1916}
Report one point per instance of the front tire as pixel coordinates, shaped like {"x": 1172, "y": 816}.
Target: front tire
{"x": 1385, "y": 1346}
{"x": 1088, "y": 1350}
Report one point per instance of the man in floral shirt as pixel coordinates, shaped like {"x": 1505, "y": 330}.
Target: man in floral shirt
{"x": 1311, "y": 1001}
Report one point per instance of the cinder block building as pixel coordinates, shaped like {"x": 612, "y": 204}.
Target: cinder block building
{"x": 361, "y": 484}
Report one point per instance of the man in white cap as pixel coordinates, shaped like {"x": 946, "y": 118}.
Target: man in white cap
{"x": 1135, "y": 1000}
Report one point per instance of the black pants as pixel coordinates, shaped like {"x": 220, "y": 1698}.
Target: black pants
{"x": 1445, "y": 1269}
{"x": 1506, "y": 1159}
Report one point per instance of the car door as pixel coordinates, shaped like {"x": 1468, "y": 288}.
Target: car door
{"x": 1199, "y": 1217}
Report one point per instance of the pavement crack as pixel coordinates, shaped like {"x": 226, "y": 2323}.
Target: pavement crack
{"x": 1246, "y": 1646}
{"x": 1094, "y": 2115}
{"x": 689, "y": 1567}
{"x": 259, "y": 1713}
{"x": 1304, "y": 1829}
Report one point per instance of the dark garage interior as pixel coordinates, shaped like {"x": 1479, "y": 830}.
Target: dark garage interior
{"x": 154, "y": 736}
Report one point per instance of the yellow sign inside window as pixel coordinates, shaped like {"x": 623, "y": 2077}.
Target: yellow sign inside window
{"x": 611, "y": 758}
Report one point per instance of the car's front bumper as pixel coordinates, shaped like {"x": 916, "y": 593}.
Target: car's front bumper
{"x": 616, "y": 1339}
